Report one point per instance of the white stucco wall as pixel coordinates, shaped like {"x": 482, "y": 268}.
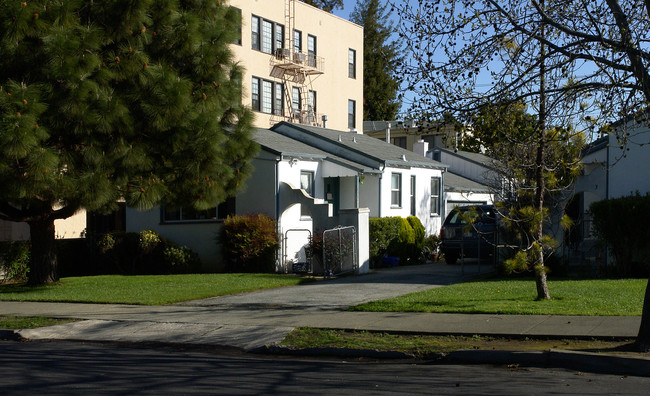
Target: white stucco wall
{"x": 629, "y": 167}
{"x": 423, "y": 177}
{"x": 72, "y": 227}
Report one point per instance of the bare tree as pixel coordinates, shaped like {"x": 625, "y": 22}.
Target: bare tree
{"x": 578, "y": 64}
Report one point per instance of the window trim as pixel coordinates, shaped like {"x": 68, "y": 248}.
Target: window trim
{"x": 412, "y": 194}
{"x": 435, "y": 211}
{"x": 276, "y": 87}
{"x": 297, "y": 34}
{"x": 227, "y": 207}
{"x": 311, "y": 174}
{"x": 397, "y": 190}
{"x": 257, "y": 31}
{"x": 352, "y": 63}
{"x": 352, "y": 116}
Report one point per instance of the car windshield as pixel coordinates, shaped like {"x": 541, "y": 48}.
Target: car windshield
{"x": 460, "y": 215}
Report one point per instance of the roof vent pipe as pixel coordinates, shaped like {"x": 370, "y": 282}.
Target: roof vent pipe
{"x": 324, "y": 118}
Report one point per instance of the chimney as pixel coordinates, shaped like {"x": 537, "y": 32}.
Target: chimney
{"x": 421, "y": 147}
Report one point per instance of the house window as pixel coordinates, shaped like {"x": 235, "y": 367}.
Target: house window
{"x": 311, "y": 50}
{"x": 352, "y": 63}
{"x": 295, "y": 99}
{"x": 396, "y": 190}
{"x": 435, "y": 195}
{"x": 307, "y": 182}
{"x": 179, "y": 214}
{"x": 255, "y": 33}
{"x": 412, "y": 195}
{"x": 266, "y": 36}
{"x": 266, "y": 96}
{"x": 352, "y": 114}
{"x": 399, "y": 141}
{"x": 297, "y": 41}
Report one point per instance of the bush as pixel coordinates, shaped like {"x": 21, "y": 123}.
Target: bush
{"x": 395, "y": 236}
{"x": 250, "y": 243}
{"x": 146, "y": 252}
{"x": 14, "y": 260}
{"x": 622, "y": 223}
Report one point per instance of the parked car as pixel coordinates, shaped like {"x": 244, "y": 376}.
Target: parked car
{"x": 469, "y": 231}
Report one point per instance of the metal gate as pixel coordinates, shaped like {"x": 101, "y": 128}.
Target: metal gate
{"x": 298, "y": 266}
{"x": 339, "y": 251}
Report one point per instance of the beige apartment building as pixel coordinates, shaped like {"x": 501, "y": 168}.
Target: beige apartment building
{"x": 302, "y": 65}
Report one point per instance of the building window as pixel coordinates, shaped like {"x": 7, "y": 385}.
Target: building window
{"x": 266, "y": 36}
{"x": 396, "y": 190}
{"x": 307, "y": 182}
{"x": 352, "y": 114}
{"x": 352, "y": 63}
{"x": 412, "y": 195}
{"x": 295, "y": 99}
{"x": 297, "y": 41}
{"x": 311, "y": 106}
{"x": 311, "y": 50}
{"x": 278, "y": 108}
{"x": 255, "y": 33}
{"x": 399, "y": 141}
{"x": 238, "y": 11}
{"x": 177, "y": 214}
{"x": 266, "y": 96}
{"x": 255, "y": 94}
{"x": 435, "y": 195}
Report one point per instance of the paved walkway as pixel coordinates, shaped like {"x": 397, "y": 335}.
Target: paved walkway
{"x": 262, "y": 318}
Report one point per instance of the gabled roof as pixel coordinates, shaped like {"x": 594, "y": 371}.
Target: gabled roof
{"x": 456, "y": 182}
{"x": 477, "y": 158}
{"x": 282, "y": 145}
{"x": 356, "y": 147}
{"x": 596, "y": 145}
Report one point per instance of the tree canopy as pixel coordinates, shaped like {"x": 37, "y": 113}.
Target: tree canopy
{"x": 109, "y": 100}
{"x": 465, "y": 53}
{"x": 381, "y": 59}
{"x": 326, "y": 5}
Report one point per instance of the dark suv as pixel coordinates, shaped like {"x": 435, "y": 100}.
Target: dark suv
{"x": 469, "y": 231}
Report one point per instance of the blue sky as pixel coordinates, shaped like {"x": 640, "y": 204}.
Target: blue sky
{"x": 348, "y": 8}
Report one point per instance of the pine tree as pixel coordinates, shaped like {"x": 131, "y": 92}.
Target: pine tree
{"x": 111, "y": 99}
{"x": 327, "y": 5}
{"x": 380, "y": 61}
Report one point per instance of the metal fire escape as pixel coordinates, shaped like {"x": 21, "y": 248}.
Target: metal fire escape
{"x": 296, "y": 69}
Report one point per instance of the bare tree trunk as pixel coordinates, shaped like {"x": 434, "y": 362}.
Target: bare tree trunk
{"x": 43, "y": 265}
{"x": 540, "y": 187}
{"x": 643, "y": 338}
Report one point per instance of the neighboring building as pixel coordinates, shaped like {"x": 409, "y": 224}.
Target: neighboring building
{"x": 609, "y": 171}
{"x": 301, "y": 64}
{"x": 311, "y": 179}
{"x": 406, "y": 134}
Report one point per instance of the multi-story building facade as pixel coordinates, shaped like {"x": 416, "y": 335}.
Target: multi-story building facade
{"x": 302, "y": 65}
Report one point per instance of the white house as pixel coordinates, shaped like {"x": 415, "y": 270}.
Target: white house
{"x": 310, "y": 179}
{"x": 609, "y": 171}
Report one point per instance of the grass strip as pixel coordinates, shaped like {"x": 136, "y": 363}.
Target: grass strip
{"x": 145, "y": 289}
{"x": 599, "y": 297}
{"x": 10, "y": 322}
{"x": 422, "y": 345}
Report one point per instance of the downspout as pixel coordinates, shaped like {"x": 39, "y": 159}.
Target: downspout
{"x": 277, "y": 212}
{"x": 443, "y": 201}
{"x": 356, "y": 191}
{"x": 607, "y": 172}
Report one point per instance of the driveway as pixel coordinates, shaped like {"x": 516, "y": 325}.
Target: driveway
{"x": 351, "y": 290}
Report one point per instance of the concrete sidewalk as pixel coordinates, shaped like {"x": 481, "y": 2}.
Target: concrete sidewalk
{"x": 255, "y": 320}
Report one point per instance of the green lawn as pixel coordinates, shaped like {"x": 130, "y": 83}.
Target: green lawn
{"x": 603, "y": 297}
{"x": 146, "y": 289}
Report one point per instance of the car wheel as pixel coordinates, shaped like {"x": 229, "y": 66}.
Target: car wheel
{"x": 451, "y": 258}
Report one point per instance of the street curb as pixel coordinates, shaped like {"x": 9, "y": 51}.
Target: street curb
{"x": 332, "y": 352}
{"x": 597, "y": 362}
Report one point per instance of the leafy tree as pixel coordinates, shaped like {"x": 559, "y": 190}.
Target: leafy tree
{"x": 381, "y": 57}
{"x": 103, "y": 100}
{"x": 327, "y": 5}
{"x": 573, "y": 62}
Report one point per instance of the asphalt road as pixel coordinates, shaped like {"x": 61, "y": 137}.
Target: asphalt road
{"x": 80, "y": 368}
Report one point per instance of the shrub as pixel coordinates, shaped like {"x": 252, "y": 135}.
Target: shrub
{"x": 250, "y": 243}
{"x": 146, "y": 252}
{"x": 622, "y": 223}
{"x": 14, "y": 260}
{"x": 395, "y": 236}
